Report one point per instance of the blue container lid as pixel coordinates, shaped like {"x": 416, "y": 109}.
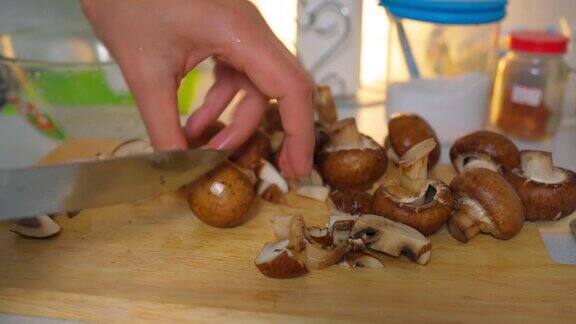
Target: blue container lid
{"x": 453, "y": 12}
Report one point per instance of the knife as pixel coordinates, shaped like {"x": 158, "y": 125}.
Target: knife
{"x": 69, "y": 187}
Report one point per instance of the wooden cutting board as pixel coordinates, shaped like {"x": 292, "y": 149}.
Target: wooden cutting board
{"x": 154, "y": 261}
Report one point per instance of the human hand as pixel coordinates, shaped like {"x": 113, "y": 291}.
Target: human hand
{"x": 156, "y": 42}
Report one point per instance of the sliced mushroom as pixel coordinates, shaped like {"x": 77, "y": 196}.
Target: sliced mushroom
{"x": 292, "y": 228}
{"x": 250, "y": 154}
{"x": 40, "y": 227}
{"x": 222, "y": 197}
{"x": 406, "y": 130}
{"x": 133, "y": 147}
{"x": 416, "y": 200}
{"x": 548, "y": 192}
{"x": 355, "y": 202}
{"x": 320, "y": 256}
{"x": 351, "y": 160}
{"x": 392, "y": 238}
{"x": 269, "y": 174}
{"x": 275, "y": 260}
{"x": 314, "y": 192}
{"x": 487, "y": 203}
{"x": 363, "y": 259}
{"x": 320, "y": 235}
{"x": 485, "y": 149}
{"x": 272, "y": 193}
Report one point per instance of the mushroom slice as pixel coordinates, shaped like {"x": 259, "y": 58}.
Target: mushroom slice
{"x": 484, "y": 149}
{"x": 547, "y": 192}
{"x": 320, "y": 235}
{"x": 392, "y": 238}
{"x": 351, "y": 160}
{"x": 290, "y": 227}
{"x": 269, "y": 174}
{"x": 337, "y": 215}
{"x": 272, "y": 193}
{"x": 406, "y": 130}
{"x": 319, "y": 193}
{"x": 133, "y": 147}
{"x": 320, "y": 256}
{"x": 42, "y": 226}
{"x": 313, "y": 179}
{"x": 281, "y": 226}
{"x": 275, "y": 260}
{"x": 487, "y": 203}
{"x": 354, "y": 202}
{"x": 363, "y": 259}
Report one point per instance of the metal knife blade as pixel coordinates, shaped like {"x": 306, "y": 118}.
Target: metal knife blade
{"x": 75, "y": 186}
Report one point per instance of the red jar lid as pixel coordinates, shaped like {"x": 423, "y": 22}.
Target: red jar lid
{"x": 538, "y": 42}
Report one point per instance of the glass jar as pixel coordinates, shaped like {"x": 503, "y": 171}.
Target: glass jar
{"x": 529, "y": 85}
{"x": 441, "y": 59}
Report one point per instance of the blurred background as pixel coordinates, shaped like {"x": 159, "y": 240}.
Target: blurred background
{"x": 360, "y": 84}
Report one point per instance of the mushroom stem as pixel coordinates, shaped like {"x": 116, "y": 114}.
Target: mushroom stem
{"x": 538, "y": 166}
{"x": 345, "y": 133}
{"x": 462, "y": 226}
{"x": 413, "y": 171}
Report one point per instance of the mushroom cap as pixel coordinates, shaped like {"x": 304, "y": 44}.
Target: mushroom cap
{"x": 248, "y": 155}
{"x": 545, "y": 201}
{"x": 406, "y": 130}
{"x": 275, "y": 260}
{"x": 354, "y": 202}
{"x": 222, "y": 197}
{"x": 206, "y": 136}
{"x": 503, "y": 208}
{"x": 427, "y": 218}
{"x": 353, "y": 168}
{"x": 486, "y": 144}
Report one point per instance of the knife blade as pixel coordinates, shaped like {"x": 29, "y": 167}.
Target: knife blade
{"x": 68, "y": 187}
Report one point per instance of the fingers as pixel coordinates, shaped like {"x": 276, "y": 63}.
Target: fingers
{"x": 155, "y": 92}
{"x": 246, "y": 120}
{"x": 217, "y": 99}
{"x": 278, "y": 75}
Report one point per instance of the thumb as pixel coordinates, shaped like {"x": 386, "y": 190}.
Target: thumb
{"x": 155, "y": 91}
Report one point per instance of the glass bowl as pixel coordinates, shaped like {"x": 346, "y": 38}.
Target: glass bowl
{"x": 64, "y": 82}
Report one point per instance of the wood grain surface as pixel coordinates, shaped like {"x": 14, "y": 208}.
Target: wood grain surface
{"x": 153, "y": 261}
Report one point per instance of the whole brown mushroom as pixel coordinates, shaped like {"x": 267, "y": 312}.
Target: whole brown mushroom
{"x": 351, "y": 160}
{"x": 485, "y": 149}
{"x": 416, "y": 200}
{"x": 249, "y": 155}
{"x": 487, "y": 203}
{"x": 548, "y": 192}
{"x": 222, "y": 197}
{"x": 406, "y": 130}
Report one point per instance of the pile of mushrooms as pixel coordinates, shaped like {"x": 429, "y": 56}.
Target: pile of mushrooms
{"x": 353, "y": 241}
{"x": 496, "y": 189}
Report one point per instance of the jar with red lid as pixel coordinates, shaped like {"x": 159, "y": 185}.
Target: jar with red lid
{"x": 529, "y": 85}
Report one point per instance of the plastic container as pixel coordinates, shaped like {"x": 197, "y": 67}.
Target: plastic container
{"x": 64, "y": 82}
{"x": 529, "y": 85}
{"x": 441, "y": 59}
